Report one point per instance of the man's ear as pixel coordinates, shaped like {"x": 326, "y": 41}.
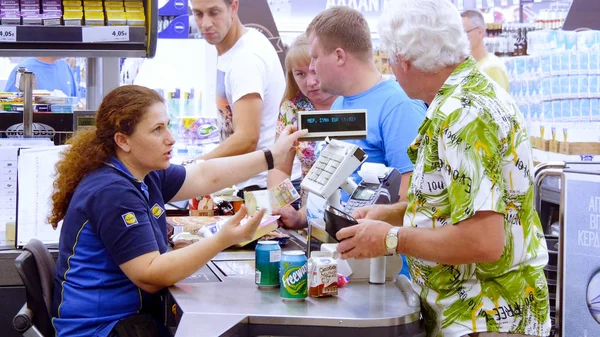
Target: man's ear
{"x": 481, "y": 33}
{"x": 405, "y": 64}
{"x": 235, "y": 5}
{"x": 122, "y": 142}
{"x": 342, "y": 56}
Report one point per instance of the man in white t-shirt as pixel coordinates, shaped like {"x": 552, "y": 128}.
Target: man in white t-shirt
{"x": 492, "y": 65}
{"x": 250, "y": 82}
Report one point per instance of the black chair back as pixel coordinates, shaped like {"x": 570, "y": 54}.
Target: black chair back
{"x": 35, "y": 266}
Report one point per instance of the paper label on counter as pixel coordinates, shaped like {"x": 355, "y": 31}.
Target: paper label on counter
{"x": 8, "y": 34}
{"x": 105, "y": 34}
{"x": 257, "y": 276}
{"x": 275, "y": 256}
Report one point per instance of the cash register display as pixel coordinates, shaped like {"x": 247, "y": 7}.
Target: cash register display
{"x": 83, "y": 119}
{"x": 86, "y": 122}
{"x": 335, "y": 123}
{"x": 363, "y": 193}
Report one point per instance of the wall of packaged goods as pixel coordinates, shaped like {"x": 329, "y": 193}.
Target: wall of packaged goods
{"x": 557, "y": 87}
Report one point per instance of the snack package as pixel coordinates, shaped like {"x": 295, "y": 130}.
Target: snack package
{"x": 323, "y": 277}
{"x": 202, "y": 206}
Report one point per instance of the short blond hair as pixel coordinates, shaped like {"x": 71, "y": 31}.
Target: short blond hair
{"x": 475, "y": 16}
{"x": 296, "y": 56}
{"x": 343, "y": 27}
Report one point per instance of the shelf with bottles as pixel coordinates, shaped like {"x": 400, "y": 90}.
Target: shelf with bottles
{"x": 512, "y": 39}
{"x": 188, "y": 124}
{"x": 506, "y": 40}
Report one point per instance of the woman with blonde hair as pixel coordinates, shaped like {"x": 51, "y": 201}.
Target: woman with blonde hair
{"x": 302, "y": 93}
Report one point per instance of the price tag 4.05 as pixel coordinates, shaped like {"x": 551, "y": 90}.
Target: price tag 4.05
{"x": 8, "y": 34}
{"x": 105, "y": 34}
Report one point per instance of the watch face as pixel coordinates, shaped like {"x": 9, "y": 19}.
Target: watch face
{"x": 391, "y": 242}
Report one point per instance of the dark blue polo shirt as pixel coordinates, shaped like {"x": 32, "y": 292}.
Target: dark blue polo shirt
{"x": 112, "y": 218}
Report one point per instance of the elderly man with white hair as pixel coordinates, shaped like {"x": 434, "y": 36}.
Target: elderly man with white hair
{"x": 474, "y": 242}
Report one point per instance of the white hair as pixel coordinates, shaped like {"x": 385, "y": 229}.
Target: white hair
{"x": 428, "y": 33}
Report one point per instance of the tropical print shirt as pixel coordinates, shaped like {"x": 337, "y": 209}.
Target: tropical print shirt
{"x": 288, "y": 115}
{"x": 472, "y": 153}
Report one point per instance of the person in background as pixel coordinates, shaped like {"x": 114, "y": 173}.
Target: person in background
{"x": 474, "y": 242}
{"x": 111, "y": 189}
{"x": 492, "y": 65}
{"x": 250, "y": 83}
{"x": 302, "y": 93}
{"x": 51, "y": 73}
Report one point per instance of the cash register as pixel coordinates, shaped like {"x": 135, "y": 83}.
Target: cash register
{"x": 331, "y": 173}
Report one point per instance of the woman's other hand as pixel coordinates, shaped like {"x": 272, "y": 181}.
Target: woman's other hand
{"x": 290, "y": 218}
{"x": 233, "y": 232}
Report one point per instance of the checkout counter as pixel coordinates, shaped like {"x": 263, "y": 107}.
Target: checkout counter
{"x": 222, "y": 299}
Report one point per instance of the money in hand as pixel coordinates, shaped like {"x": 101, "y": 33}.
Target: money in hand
{"x": 284, "y": 194}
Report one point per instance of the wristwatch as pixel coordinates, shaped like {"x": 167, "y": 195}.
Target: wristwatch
{"x": 391, "y": 240}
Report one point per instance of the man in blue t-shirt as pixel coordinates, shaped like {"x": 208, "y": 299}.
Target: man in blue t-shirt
{"x": 342, "y": 56}
{"x": 51, "y": 73}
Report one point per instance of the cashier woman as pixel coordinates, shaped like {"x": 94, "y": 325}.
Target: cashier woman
{"x": 110, "y": 193}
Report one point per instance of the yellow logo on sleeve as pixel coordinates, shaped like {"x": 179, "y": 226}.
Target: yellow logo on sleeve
{"x": 129, "y": 219}
{"x": 157, "y": 211}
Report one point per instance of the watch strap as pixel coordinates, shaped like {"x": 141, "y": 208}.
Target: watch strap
{"x": 269, "y": 158}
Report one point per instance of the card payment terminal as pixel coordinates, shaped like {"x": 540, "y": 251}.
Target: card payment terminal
{"x": 382, "y": 187}
{"x": 383, "y": 190}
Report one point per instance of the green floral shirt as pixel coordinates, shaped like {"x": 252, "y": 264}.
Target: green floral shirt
{"x": 472, "y": 153}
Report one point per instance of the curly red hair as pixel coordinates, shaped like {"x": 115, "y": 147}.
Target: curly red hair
{"x": 120, "y": 111}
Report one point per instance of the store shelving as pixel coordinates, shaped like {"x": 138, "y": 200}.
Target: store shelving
{"x": 50, "y": 41}
{"x": 83, "y": 41}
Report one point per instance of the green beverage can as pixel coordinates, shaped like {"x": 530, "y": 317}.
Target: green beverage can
{"x": 268, "y": 255}
{"x": 294, "y": 280}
